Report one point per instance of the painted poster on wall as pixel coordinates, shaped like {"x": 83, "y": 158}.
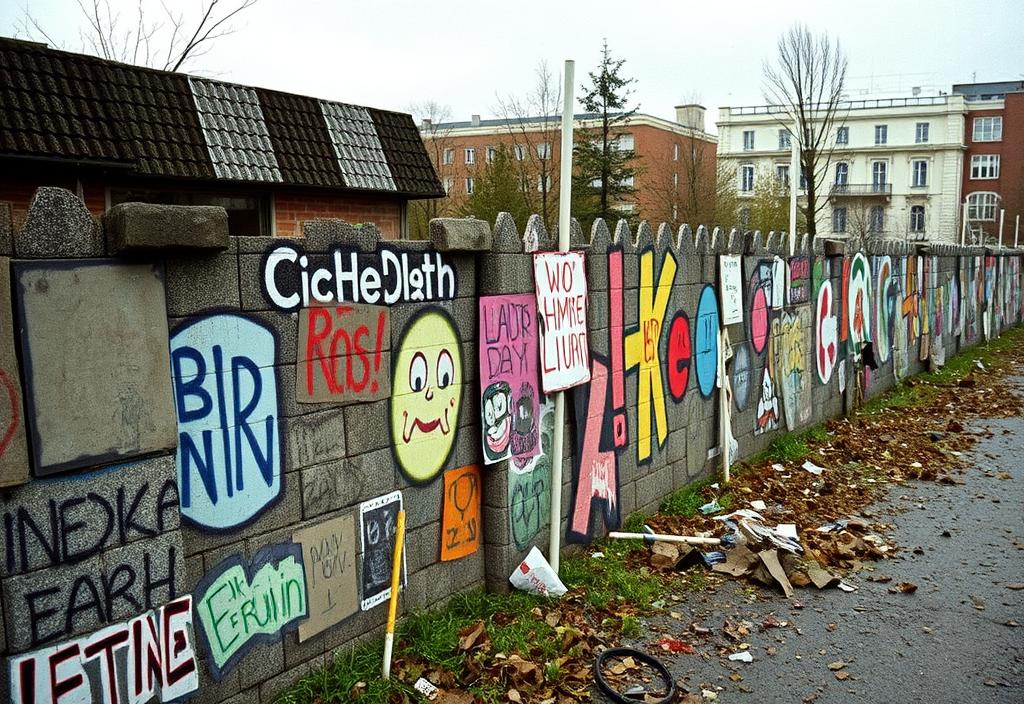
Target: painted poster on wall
{"x": 460, "y": 521}
{"x": 509, "y": 403}
{"x": 329, "y": 560}
{"x": 378, "y": 525}
{"x": 341, "y": 355}
{"x": 529, "y": 484}
{"x": 561, "y": 285}
{"x": 731, "y": 288}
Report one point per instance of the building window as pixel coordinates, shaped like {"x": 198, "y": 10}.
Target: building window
{"x": 470, "y": 155}
{"x": 448, "y": 183}
{"x": 543, "y": 183}
{"x": 627, "y": 208}
{"x": 247, "y": 214}
{"x": 675, "y": 181}
{"x": 921, "y": 133}
{"x": 544, "y": 151}
{"x": 623, "y": 143}
{"x": 627, "y": 182}
{"x": 985, "y": 166}
{"x": 744, "y": 217}
{"x": 747, "y": 178}
{"x": 520, "y": 152}
{"x": 876, "y": 219}
{"x": 675, "y": 152}
{"x": 842, "y": 173}
{"x": 881, "y": 134}
{"x": 470, "y": 185}
{"x": 839, "y": 220}
{"x": 491, "y": 153}
{"x": 879, "y": 172}
{"x": 988, "y": 129}
{"x": 981, "y": 206}
{"x": 920, "y": 170}
{"x": 917, "y": 218}
{"x": 748, "y": 140}
{"x": 782, "y": 175}
{"x": 803, "y": 181}
{"x": 784, "y": 141}
{"x": 448, "y": 157}
{"x": 843, "y": 135}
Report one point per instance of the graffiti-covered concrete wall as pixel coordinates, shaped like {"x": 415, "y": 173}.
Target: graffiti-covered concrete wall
{"x": 205, "y": 440}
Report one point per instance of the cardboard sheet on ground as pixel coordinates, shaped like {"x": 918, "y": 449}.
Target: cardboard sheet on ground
{"x": 770, "y": 559}
{"x": 329, "y": 560}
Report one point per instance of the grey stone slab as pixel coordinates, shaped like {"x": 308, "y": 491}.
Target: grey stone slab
{"x": 58, "y": 225}
{"x": 107, "y": 396}
{"x": 506, "y": 274}
{"x": 6, "y": 229}
{"x": 460, "y": 234}
{"x": 367, "y": 427}
{"x": 424, "y": 546}
{"x": 14, "y": 459}
{"x": 201, "y": 282}
{"x": 135, "y": 227}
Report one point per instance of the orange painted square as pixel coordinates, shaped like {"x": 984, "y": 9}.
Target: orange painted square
{"x": 460, "y": 523}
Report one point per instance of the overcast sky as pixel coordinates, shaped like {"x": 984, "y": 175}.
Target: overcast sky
{"x": 391, "y": 54}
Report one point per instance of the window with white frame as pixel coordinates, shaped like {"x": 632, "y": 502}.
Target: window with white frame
{"x": 881, "y": 134}
{"x": 982, "y": 205}
{"x": 627, "y": 182}
{"x": 876, "y": 219}
{"x": 784, "y": 141}
{"x": 675, "y": 152}
{"x": 985, "y": 166}
{"x": 544, "y": 151}
{"x": 543, "y": 183}
{"x": 879, "y": 175}
{"x": 623, "y": 143}
{"x": 675, "y": 180}
{"x": 919, "y": 169}
{"x": 448, "y": 157}
{"x": 842, "y": 173}
{"x": 921, "y": 133}
{"x": 782, "y": 175}
{"x": 626, "y": 208}
{"x": 491, "y": 153}
{"x": 917, "y": 218}
{"x": 839, "y": 220}
{"x": 520, "y": 151}
{"x": 988, "y": 129}
{"x": 470, "y": 185}
{"x": 747, "y": 178}
{"x": 748, "y": 140}
{"x": 448, "y": 183}
{"x": 843, "y": 135}
{"x": 470, "y": 155}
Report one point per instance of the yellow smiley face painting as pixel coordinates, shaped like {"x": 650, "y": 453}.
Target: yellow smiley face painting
{"x": 426, "y": 391}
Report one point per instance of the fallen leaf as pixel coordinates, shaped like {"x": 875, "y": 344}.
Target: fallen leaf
{"x": 837, "y": 665}
{"x": 1016, "y": 586}
{"x": 469, "y": 635}
{"x": 673, "y": 645}
{"x": 514, "y": 696}
{"x": 842, "y": 675}
{"x": 903, "y": 588}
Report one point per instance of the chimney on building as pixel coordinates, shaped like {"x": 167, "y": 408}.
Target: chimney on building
{"x": 475, "y": 120}
{"x": 426, "y": 123}
{"x": 691, "y": 115}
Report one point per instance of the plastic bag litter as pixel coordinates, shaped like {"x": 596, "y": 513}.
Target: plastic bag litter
{"x": 534, "y": 575}
{"x": 751, "y": 525}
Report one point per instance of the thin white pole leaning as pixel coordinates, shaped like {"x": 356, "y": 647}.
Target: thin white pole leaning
{"x": 1016, "y": 231}
{"x": 794, "y": 183}
{"x": 963, "y": 225}
{"x": 1002, "y": 216}
{"x": 564, "y": 224}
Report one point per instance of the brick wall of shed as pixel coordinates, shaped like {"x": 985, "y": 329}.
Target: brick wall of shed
{"x": 292, "y": 209}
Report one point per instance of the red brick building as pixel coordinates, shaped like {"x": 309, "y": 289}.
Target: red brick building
{"x": 993, "y": 176}
{"x": 115, "y": 133}
{"x": 675, "y": 160}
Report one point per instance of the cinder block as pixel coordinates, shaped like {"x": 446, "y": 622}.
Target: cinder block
{"x": 460, "y": 234}
{"x": 315, "y": 438}
{"x": 6, "y": 230}
{"x": 135, "y": 227}
{"x": 199, "y": 283}
{"x": 346, "y": 482}
{"x": 367, "y": 427}
{"x": 58, "y": 225}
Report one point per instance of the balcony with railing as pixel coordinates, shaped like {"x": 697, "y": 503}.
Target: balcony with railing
{"x": 868, "y": 104}
{"x": 861, "y": 189}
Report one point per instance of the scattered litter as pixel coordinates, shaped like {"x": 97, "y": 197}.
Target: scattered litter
{"x": 708, "y": 694}
{"x": 778, "y": 467}
{"x": 1016, "y": 586}
{"x": 812, "y": 468}
{"x": 751, "y": 525}
{"x": 715, "y": 486}
{"x": 846, "y": 587}
{"x": 743, "y": 656}
{"x": 978, "y": 363}
{"x": 833, "y": 527}
{"x": 672, "y": 645}
{"x": 426, "y": 688}
{"x": 903, "y": 588}
{"x": 842, "y": 675}
{"x": 710, "y": 507}
{"x": 787, "y": 529}
{"x": 758, "y": 505}
{"x": 713, "y": 558}
{"x": 598, "y": 554}
{"x": 837, "y": 665}
{"x": 535, "y": 576}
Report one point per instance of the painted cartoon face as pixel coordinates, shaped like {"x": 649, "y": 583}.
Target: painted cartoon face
{"x": 497, "y": 399}
{"x": 426, "y": 390}
{"x": 524, "y": 410}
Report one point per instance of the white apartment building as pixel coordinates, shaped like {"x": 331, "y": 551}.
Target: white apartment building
{"x": 896, "y": 169}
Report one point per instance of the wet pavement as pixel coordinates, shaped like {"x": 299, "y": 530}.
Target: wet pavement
{"x": 953, "y": 640}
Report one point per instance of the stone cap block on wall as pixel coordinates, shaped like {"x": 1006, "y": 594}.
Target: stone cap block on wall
{"x": 133, "y": 227}
{"x": 460, "y": 234}
{"x": 58, "y": 225}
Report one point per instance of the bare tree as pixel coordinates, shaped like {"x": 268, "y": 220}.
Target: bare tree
{"x": 433, "y": 118}
{"x": 533, "y": 123}
{"x": 169, "y": 41}
{"x": 806, "y": 85}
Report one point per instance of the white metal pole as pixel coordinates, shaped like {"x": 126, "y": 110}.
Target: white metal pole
{"x": 1002, "y": 216}
{"x": 564, "y": 223}
{"x": 794, "y": 183}
{"x": 1016, "y": 231}
{"x": 963, "y": 225}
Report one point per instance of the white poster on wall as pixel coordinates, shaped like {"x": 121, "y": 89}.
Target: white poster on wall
{"x": 730, "y": 288}
{"x": 561, "y": 282}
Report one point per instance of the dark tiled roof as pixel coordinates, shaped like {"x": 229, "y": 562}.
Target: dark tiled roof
{"x": 58, "y": 105}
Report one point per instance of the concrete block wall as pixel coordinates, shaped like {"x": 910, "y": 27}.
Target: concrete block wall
{"x": 103, "y": 552}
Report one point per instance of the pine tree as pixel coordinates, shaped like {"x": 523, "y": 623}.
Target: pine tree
{"x": 498, "y": 189}
{"x": 604, "y": 172}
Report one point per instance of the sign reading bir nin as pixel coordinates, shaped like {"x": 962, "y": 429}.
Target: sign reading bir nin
{"x": 562, "y": 305}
